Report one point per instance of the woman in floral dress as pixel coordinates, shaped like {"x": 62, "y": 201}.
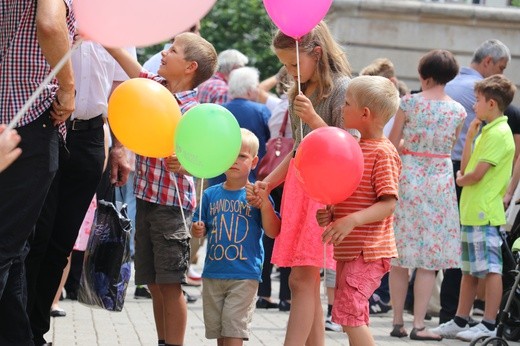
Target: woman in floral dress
{"x": 426, "y": 220}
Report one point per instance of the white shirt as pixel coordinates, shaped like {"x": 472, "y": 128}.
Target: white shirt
{"x": 278, "y": 107}
{"x": 152, "y": 64}
{"x": 94, "y": 71}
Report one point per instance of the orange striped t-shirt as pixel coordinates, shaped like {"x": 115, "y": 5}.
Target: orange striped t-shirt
{"x": 380, "y": 177}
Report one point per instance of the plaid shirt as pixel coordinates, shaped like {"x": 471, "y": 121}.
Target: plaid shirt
{"x": 22, "y": 64}
{"x": 154, "y": 183}
{"x": 214, "y": 90}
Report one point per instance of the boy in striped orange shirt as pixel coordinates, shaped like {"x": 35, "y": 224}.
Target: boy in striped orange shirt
{"x": 361, "y": 226}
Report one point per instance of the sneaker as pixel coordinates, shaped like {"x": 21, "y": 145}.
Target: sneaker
{"x": 377, "y": 306}
{"x": 476, "y": 332}
{"x": 141, "y": 292}
{"x": 189, "y": 298}
{"x": 193, "y": 274}
{"x": 331, "y": 326}
{"x": 449, "y": 330}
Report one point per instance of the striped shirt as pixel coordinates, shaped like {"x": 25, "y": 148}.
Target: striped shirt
{"x": 214, "y": 90}
{"x": 153, "y": 182}
{"x": 380, "y": 178}
{"x": 23, "y": 66}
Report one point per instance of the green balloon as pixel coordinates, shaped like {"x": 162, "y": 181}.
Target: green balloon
{"x": 207, "y": 140}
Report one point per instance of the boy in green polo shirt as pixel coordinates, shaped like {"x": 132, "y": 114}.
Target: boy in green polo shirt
{"x": 484, "y": 175}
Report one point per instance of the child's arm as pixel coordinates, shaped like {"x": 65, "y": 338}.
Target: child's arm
{"x": 468, "y": 145}
{"x": 473, "y": 177}
{"x": 198, "y": 229}
{"x": 127, "y": 62}
{"x": 340, "y": 228}
{"x": 270, "y": 221}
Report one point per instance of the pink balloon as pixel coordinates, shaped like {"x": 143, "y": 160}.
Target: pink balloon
{"x": 296, "y": 18}
{"x": 329, "y": 164}
{"x": 123, "y": 23}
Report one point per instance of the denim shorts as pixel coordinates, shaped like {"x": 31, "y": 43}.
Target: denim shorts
{"x": 162, "y": 244}
{"x": 481, "y": 250}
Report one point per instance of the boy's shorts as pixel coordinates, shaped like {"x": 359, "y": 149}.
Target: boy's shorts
{"x": 162, "y": 244}
{"x": 481, "y": 250}
{"x": 355, "y": 283}
{"x": 228, "y": 307}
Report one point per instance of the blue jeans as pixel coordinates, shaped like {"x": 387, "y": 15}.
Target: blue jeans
{"x": 23, "y": 188}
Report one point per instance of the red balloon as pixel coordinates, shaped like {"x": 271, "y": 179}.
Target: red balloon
{"x": 329, "y": 163}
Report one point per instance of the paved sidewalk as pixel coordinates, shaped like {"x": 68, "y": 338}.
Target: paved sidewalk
{"x": 135, "y": 326}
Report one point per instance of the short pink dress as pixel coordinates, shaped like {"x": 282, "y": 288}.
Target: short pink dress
{"x": 299, "y": 242}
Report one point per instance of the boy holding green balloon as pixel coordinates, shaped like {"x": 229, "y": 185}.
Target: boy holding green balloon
{"x": 165, "y": 200}
{"x": 235, "y": 253}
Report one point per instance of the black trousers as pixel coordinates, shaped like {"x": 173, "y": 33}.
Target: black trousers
{"x": 23, "y": 187}
{"x": 450, "y": 287}
{"x": 57, "y": 228}
{"x": 264, "y": 288}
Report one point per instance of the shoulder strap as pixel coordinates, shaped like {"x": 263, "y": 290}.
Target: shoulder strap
{"x": 281, "y": 133}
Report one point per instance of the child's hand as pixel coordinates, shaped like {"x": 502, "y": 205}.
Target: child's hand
{"x": 255, "y": 192}
{"x": 473, "y": 129}
{"x": 9, "y": 140}
{"x": 338, "y": 230}
{"x": 303, "y": 109}
{"x": 198, "y": 229}
{"x": 324, "y": 216}
{"x": 173, "y": 165}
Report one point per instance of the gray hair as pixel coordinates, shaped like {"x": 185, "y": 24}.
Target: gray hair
{"x": 242, "y": 81}
{"x": 231, "y": 59}
{"x": 492, "y": 48}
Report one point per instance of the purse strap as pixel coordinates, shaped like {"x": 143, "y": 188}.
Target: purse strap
{"x": 281, "y": 133}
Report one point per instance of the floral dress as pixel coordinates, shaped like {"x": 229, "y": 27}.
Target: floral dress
{"x": 426, "y": 221}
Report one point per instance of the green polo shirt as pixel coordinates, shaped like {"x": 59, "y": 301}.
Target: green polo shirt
{"x": 481, "y": 203}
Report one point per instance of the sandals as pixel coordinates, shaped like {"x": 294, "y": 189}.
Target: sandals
{"x": 414, "y": 336}
{"x": 398, "y": 332}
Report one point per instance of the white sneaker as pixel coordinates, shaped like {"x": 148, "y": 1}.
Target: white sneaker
{"x": 193, "y": 274}
{"x": 449, "y": 330}
{"x": 331, "y": 326}
{"x": 476, "y": 332}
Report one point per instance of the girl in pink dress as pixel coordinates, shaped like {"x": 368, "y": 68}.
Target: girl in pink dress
{"x": 324, "y": 76}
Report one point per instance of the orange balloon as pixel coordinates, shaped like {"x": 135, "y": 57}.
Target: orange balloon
{"x": 143, "y": 115}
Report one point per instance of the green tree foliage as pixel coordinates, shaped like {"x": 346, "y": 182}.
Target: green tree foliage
{"x": 243, "y": 25}
{"x": 238, "y": 24}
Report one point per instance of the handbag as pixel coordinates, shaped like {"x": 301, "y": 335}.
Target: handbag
{"x": 107, "y": 263}
{"x": 276, "y": 150}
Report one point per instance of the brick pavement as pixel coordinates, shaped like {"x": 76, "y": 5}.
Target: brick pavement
{"x": 84, "y": 326}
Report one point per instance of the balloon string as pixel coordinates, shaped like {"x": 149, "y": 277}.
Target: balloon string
{"x": 299, "y": 82}
{"x": 180, "y": 203}
{"x": 200, "y": 204}
{"x": 43, "y": 85}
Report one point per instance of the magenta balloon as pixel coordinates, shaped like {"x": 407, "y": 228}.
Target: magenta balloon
{"x": 123, "y": 23}
{"x": 296, "y": 18}
{"x": 330, "y": 164}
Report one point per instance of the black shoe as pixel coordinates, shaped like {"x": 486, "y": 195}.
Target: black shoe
{"x": 141, "y": 292}
{"x": 262, "y": 303}
{"x": 58, "y": 313}
{"x": 189, "y": 298}
{"x": 284, "y": 305}
{"x": 377, "y": 306}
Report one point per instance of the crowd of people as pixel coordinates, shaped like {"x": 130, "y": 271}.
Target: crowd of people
{"x": 437, "y": 177}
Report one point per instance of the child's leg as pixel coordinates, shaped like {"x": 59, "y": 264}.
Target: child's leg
{"x": 468, "y": 291}
{"x": 305, "y": 284}
{"x": 398, "y": 287}
{"x": 174, "y": 312}
{"x": 359, "y": 336}
{"x": 493, "y": 296}
{"x": 158, "y": 312}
